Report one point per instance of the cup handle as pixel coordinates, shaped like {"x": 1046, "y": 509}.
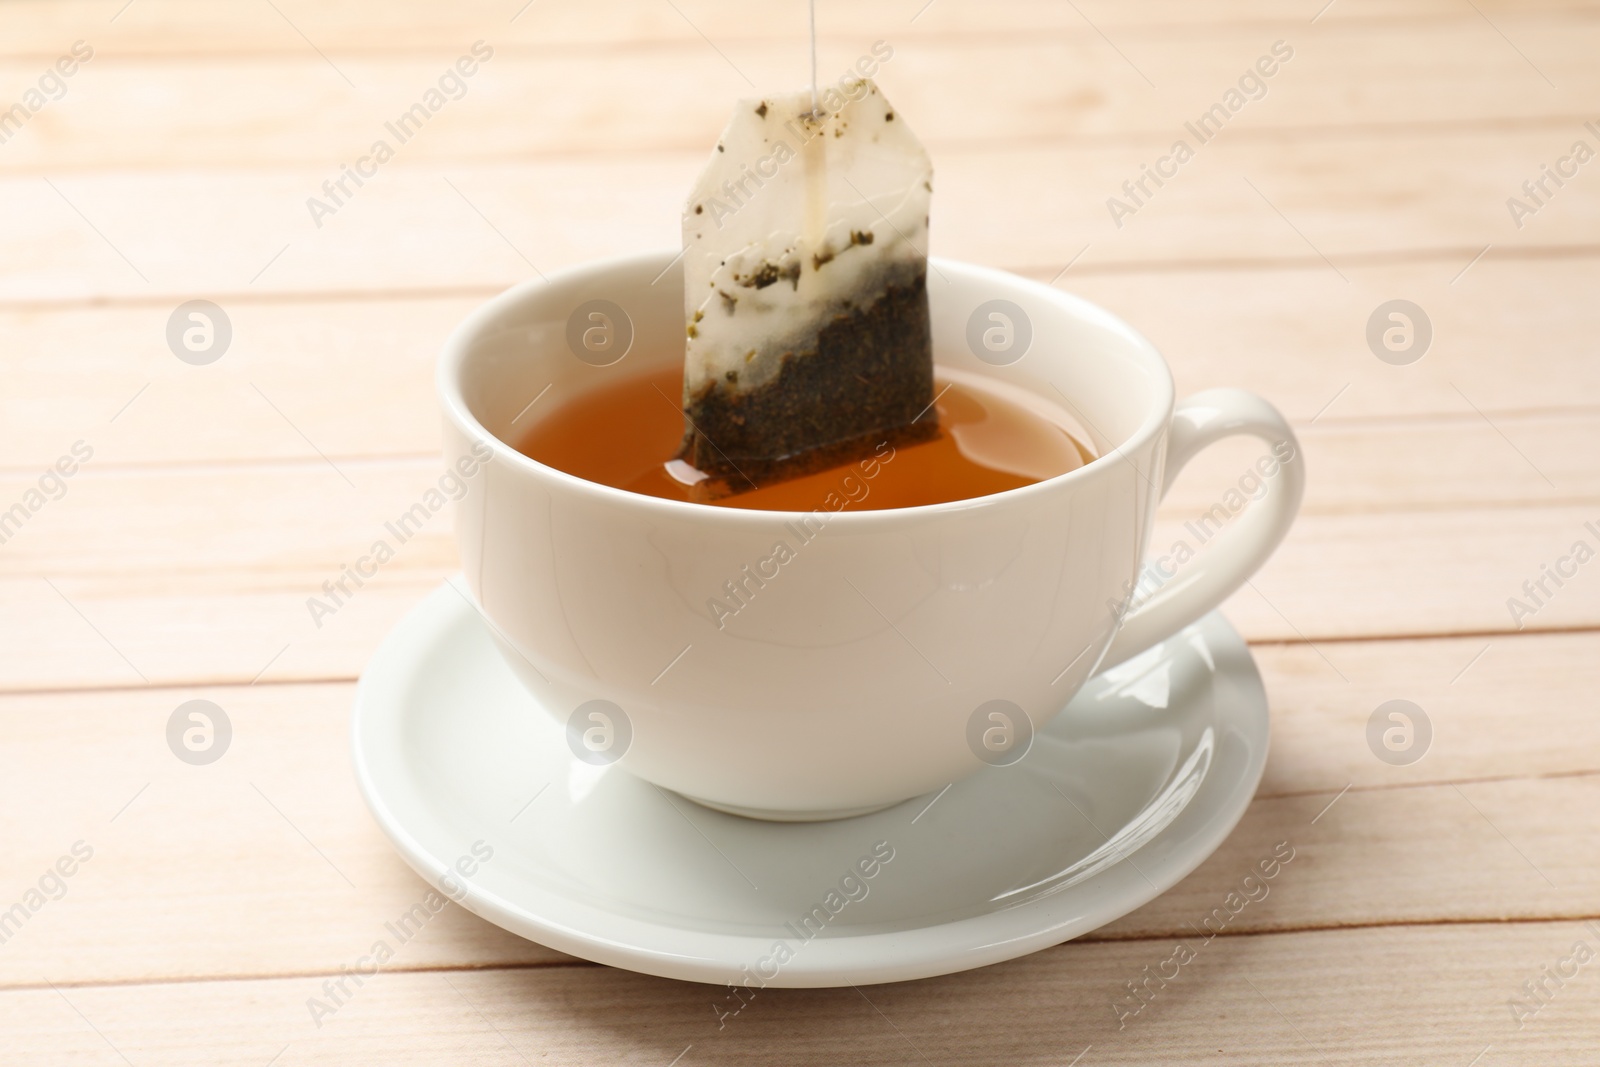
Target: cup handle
{"x": 1198, "y": 422}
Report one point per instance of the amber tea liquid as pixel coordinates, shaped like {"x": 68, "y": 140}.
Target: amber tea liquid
{"x": 624, "y": 435}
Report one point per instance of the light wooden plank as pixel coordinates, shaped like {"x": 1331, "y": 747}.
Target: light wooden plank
{"x": 1391, "y": 575}
{"x": 355, "y": 376}
{"x": 192, "y": 543}
{"x": 1355, "y": 198}
{"x": 273, "y": 836}
{"x": 185, "y": 27}
{"x": 221, "y": 842}
{"x": 1498, "y": 707}
{"x": 227, "y": 612}
{"x": 151, "y": 112}
{"x": 1310, "y": 998}
{"x": 126, "y": 629}
{"x": 1299, "y": 340}
{"x": 359, "y": 373}
{"x": 97, "y": 590}
{"x": 1414, "y": 837}
{"x": 285, "y": 400}
{"x": 1458, "y": 462}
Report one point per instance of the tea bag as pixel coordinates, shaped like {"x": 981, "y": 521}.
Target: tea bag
{"x": 805, "y": 286}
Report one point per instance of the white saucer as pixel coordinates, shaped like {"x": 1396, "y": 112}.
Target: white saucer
{"x": 1160, "y": 755}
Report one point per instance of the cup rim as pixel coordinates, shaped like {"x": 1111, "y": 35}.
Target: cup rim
{"x": 458, "y": 345}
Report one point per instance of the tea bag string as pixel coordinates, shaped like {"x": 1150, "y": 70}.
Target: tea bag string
{"x": 815, "y": 103}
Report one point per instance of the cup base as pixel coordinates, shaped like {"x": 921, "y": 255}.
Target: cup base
{"x": 776, "y": 815}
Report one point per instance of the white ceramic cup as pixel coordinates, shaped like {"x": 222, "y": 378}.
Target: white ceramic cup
{"x": 887, "y": 653}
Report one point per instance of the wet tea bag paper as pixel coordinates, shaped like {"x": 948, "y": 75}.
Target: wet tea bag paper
{"x": 805, "y": 281}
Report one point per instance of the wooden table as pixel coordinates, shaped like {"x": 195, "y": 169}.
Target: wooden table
{"x": 208, "y": 502}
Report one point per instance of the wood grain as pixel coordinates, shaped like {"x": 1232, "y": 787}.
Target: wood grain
{"x": 180, "y": 28}
{"x": 282, "y": 805}
{"x": 1303, "y": 998}
{"x": 91, "y": 602}
{"x": 1331, "y": 204}
{"x": 178, "y": 165}
{"x": 258, "y": 112}
{"x": 1287, "y": 334}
